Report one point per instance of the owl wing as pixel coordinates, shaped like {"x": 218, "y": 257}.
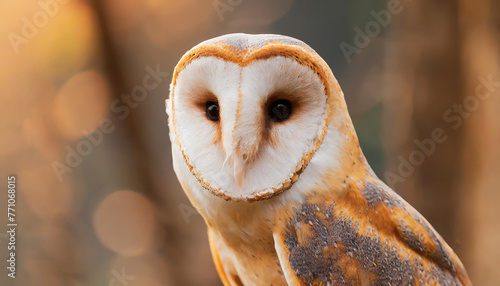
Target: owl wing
{"x": 370, "y": 236}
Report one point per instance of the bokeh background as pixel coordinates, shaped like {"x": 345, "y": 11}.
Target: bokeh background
{"x": 83, "y": 127}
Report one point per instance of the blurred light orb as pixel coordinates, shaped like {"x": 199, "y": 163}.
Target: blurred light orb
{"x": 125, "y": 223}
{"x": 46, "y": 197}
{"x": 81, "y": 104}
{"x": 38, "y": 134}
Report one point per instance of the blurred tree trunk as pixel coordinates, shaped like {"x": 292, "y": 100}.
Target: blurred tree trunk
{"x": 481, "y": 157}
{"x": 425, "y": 82}
{"x": 440, "y": 51}
{"x": 181, "y": 247}
{"x": 143, "y": 167}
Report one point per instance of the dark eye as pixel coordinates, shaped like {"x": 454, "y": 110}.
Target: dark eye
{"x": 212, "y": 110}
{"x": 280, "y": 110}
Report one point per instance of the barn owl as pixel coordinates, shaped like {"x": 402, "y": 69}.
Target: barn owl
{"x": 264, "y": 148}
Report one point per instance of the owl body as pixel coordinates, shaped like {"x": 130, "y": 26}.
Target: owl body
{"x": 265, "y": 150}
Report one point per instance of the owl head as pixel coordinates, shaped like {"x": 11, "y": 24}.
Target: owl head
{"x": 248, "y": 113}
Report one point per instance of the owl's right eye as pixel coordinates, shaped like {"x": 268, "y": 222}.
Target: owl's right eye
{"x": 212, "y": 110}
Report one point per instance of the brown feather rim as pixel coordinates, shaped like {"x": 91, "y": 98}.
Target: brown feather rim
{"x": 243, "y": 58}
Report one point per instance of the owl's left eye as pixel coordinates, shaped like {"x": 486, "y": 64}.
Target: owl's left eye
{"x": 280, "y": 110}
{"x": 212, "y": 110}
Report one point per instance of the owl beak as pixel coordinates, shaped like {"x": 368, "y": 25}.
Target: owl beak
{"x": 239, "y": 170}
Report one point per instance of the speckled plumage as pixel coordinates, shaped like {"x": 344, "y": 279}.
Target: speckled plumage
{"x": 320, "y": 217}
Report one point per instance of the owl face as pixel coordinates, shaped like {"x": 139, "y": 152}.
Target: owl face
{"x": 248, "y": 113}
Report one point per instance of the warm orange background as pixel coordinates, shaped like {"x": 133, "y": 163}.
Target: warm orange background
{"x": 117, "y": 215}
